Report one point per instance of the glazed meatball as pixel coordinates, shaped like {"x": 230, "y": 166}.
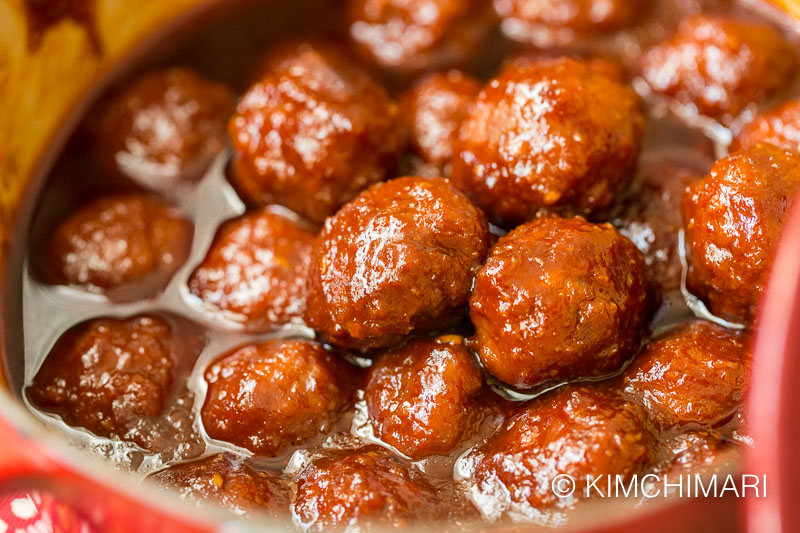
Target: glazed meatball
{"x": 547, "y": 23}
{"x": 353, "y": 487}
{"x": 256, "y": 270}
{"x": 269, "y": 396}
{"x": 559, "y": 299}
{"x": 733, "y": 221}
{"x": 696, "y": 374}
{"x": 649, "y": 214}
{"x": 313, "y": 132}
{"x": 556, "y": 134}
{"x": 398, "y": 259}
{"x": 779, "y": 126}
{"x": 422, "y": 397}
{"x": 719, "y": 64}
{"x": 577, "y": 431}
{"x": 116, "y": 242}
{"x": 414, "y": 35}
{"x": 164, "y": 127}
{"x": 106, "y": 375}
{"x": 697, "y": 451}
{"x": 225, "y": 481}
{"x": 433, "y": 111}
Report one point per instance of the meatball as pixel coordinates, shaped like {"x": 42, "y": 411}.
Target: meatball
{"x": 269, "y": 396}
{"x": 256, "y": 270}
{"x": 559, "y": 299}
{"x": 116, "y": 242}
{"x": 433, "y": 111}
{"x": 733, "y": 219}
{"x": 106, "y": 374}
{"x": 719, "y": 64}
{"x": 414, "y": 35}
{"x": 548, "y": 23}
{"x": 164, "y": 127}
{"x": 576, "y": 431}
{"x": 554, "y": 134}
{"x": 422, "y": 397}
{"x": 352, "y": 487}
{"x": 398, "y": 259}
{"x": 779, "y": 126}
{"x": 313, "y": 132}
{"x": 649, "y": 214}
{"x": 697, "y": 451}
{"x": 696, "y": 374}
{"x": 225, "y": 481}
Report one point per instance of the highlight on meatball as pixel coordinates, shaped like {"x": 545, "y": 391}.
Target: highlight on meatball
{"x": 695, "y": 374}
{"x": 228, "y": 482}
{"x": 164, "y": 127}
{"x": 422, "y": 398}
{"x": 398, "y": 259}
{"x": 549, "y": 23}
{"x": 720, "y": 64}
{"x": 733, "y": 218}
{"x": 577, "y": 431}
{"x": 409, "y": 36}
{"x": 313, "y": 132}
{"x": 118, "y": 243}
{"x": 433, "y": 110}
{"x": 559, "y": 299}
{"x": 270, "y": 396}
{"x": 352, "y": 487}
{"x": 779, "y": 126}
{"x": 552, "y": 135}
{"x": 256, "y": 270}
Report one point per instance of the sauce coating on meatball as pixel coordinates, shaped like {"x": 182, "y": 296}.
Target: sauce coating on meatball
{"x": 398, "y": 259}
{"x": 555, "y": 134}
{"x": 422, "y": 397}
{"x": 413, "y": 35}
{"x": 720, "y": 64}
{"x": 255, "y": 272}
{"x": 269, "y": 396}
{"x": 433, "y": 110}
{"x": 164, "y": 127}
{"x": 313, "y": 132}
{"x": 117, "y": 242}
{"x": 228, "y": 482}
{"x": 696, "y": 374}
{"x": 577, "y": 431}
{"x": 559, "y": 299}
{"x": 779, "y": 126}
{"x": 352, "y": 487}
{"x": 733, "y": 219}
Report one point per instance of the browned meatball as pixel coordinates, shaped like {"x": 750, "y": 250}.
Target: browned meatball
{"x": 164, "y": 127}
{"x": 422, "y": 397}
{"x": 433, "y": 111}
{"x": 719, "y": 64}
{"x": 256, "y": 270}
{"x": 266, "y": 397}
{"x": 111, "y": 376}
{"x": 696, "y": 374}
{"x": 734, "y": 218}
{"x": 650, "y": 214}
{"x": 119, "y": 241}
{"x": 559, "y": 299}
{"x": 414, "y": 35}
{"x": 553, "y": 134}
{"x": 228, "y": 482}
{"x": 547, "y": 23}
{"x": 697, "y": 451}
{"x": 397, "y": 259}
{"x": 356, "y": 487}
{"x": 576, "y": 431}
{"x": 779, "y": 126}
{"x": 313, "y": 132}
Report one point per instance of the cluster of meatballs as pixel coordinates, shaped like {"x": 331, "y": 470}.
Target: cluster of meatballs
{"x": 529, "y": 249}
